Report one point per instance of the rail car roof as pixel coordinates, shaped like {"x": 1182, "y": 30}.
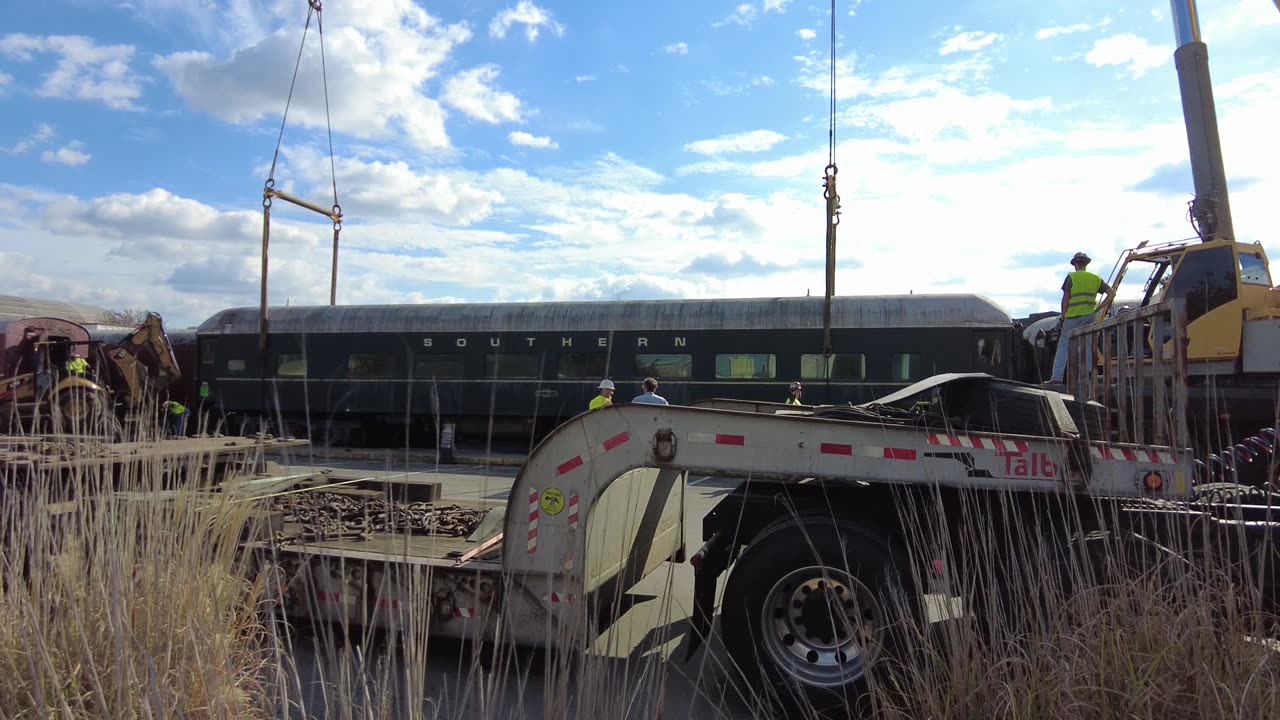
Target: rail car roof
{"x": 738, "y": 314}
{"x": 13, "y": 307}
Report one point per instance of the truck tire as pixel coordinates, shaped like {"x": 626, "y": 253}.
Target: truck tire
{"x": 799, "y": 607}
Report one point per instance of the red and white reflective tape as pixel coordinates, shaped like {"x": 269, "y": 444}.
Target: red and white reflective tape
{"x": 616, "y": 440}
{"x": 717, "y": 439}
{"x": 559, "y": 598}
{"x": 573, "y": 511}
{"x": 465, "y": 612}
{"x": 568, "y": 559}
{"x": 884, "y": 453}
{"x": 979, "y": 443}
{"x": 570, "y": 464}
{"x": 332, "y": 597}
{"x": 386, "y": 604}
{"x": 533, "y": 520}
{"x": 1106, "y": 452}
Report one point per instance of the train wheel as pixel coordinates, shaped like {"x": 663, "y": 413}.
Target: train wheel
{"x": 808, "y": 609}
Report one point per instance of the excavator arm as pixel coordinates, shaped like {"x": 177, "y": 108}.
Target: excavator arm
{"x": 145, "y": 359}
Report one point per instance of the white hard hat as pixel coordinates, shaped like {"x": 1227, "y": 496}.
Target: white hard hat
{"x": 606, "y": 384}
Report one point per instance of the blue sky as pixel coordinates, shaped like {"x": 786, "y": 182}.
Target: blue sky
{"x": 516, "y": 150}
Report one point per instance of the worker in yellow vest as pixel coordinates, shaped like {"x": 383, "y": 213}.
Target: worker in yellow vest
{"x": 604, "y": 398}
{"x": 793, "y": 394}
{"x": 177, "y": 413}
{"x": 76, "y": 365}
{"x": 1079, "y": 302}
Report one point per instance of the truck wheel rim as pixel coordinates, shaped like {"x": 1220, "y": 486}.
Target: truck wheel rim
{"x": 817, "y": 622}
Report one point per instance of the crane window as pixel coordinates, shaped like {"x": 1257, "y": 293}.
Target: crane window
{"x": 664, "y": 366}
{"x": 842, "y": 366}
{"x": 582, "y": 365}
{"x": 1206, "y": 279}
{"x": 438, "y": 367}
{"x": 511, "y": 366}
{"x": 1253, "y": 269}
{"x": 291, "y": 366}
{"x": 746, "y": 366}
{"x": 371, "y": 367}
{"x": 907, "y": 367}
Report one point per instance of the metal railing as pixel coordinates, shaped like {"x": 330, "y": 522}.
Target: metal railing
{"x": 1135, "y": 364}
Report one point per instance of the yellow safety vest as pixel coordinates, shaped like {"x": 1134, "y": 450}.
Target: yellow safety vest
{"x": 77, "y": 366}
{"x": 177, "y": 408}
{"x": 598, "y": 402}
{"x": 791, "y": 400}
{"x": 1084, "y": 293}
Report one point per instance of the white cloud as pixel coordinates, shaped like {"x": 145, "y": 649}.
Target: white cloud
{"x": 1135, "y": 53}
{"x": 525, "y": 13}
{"x": 968, "y": 42}
{"x": 1055, "y": 31}
{"x": 41, "y": 135}
{"x": 5, "y": 81}
{"x": 70, "y": 154}
{"x": 806, "y": 34}
{"x": 744, "y": 142}
{"x": 580, "y": 79}
{"x": 743, "y": 14}
{"x": 778, "y": 6}
{"x": 520, "y": 137}
{"x": 470, "y": 92}
{"x": 380, "y": 53}
{"x": 762, "y": 81}
{"x": 84, "y": 69}
{"x": 678, "y": 48}
{"x": 394, "y": 190}
{"x": 1243, "y": 16}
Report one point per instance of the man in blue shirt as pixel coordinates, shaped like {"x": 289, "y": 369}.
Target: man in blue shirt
{"x": 651, "y": 396}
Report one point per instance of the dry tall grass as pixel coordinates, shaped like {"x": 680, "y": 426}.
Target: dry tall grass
{"x": 136, "y": 604}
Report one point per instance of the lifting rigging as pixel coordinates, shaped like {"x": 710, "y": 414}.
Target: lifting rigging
{"x": 269, "y": 190}
{"x": 833, "y": 205}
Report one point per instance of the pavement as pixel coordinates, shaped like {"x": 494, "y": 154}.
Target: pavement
{"x": 636, "y": 667}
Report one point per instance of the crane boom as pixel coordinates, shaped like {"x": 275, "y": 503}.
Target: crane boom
{"x": 1210, "y": 210}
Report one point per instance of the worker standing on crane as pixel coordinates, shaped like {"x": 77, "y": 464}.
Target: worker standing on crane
{"x": 1079, "y": 301}
{"x": 76, "y": 365}
{"x": 604, "y": 398}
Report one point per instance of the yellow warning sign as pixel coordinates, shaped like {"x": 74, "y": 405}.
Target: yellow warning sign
{"x": 552, "y": 501}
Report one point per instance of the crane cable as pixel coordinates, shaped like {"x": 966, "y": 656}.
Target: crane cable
{"x": 314, "y": 7}
{"x": 833, "y": 204}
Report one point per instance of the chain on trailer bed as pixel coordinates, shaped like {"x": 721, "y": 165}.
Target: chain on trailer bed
{"x": 601, "y": 498}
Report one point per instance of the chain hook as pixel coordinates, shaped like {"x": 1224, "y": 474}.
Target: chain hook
{"x": 315, "y": 5}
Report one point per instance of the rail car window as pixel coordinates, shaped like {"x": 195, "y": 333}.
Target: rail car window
{"x": 842, "y": 366}
{"x": 371, "y": 367}
{"x": 426, "y": 367}
{"x": 207, "y": 352}
{"x": 1253, "y": 270}
{"x": 582, "y": 365}
{"x": 511, "y": 366}
{"x": 664, "y": 366}
{"x": 235, "y": 366}
{"x": 741, "y": 366}
{"x": 1206, "y": 279}
{"x": 291, "y": 366}
{"x": 907, "y": 366}
{"x": 990, "y": 352}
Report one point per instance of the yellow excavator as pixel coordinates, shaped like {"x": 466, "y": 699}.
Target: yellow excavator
{"x": 1232, "y": 307}
{"x": 43, "y": 390}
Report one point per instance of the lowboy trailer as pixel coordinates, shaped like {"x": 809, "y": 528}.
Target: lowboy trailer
{"x": 814, "y": 525}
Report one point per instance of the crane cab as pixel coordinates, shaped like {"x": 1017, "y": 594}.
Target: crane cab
{"x": 1233, "y": 310}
